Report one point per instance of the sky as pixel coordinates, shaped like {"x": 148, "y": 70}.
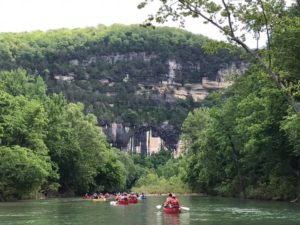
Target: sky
{"x": 29, "y": 15}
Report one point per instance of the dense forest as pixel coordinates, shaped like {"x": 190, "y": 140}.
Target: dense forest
{"x": 48, "y": 144}
{"x": 245, "y": 141}
{"x": 114, "y": 70}
{"x": 241, "y": 141}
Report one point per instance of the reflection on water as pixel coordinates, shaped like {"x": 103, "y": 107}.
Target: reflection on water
{"x": 204, "y": 211}
{"x": 172, "y": 219}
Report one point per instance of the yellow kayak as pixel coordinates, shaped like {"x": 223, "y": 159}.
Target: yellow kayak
{"x": 99, "y": 200}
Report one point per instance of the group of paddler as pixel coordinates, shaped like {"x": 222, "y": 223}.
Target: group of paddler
{"x": 125, "y": 199}
{"x": 97, "y": 197}
{"x": 171, "y": 204}
{"x": 121, "y": 198}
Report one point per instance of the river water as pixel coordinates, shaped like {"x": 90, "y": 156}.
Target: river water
{"x": 203, "y": 210}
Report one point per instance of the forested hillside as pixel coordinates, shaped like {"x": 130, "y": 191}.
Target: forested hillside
{"x": 59, "y": 87}
{"x": 130, "y": 75}
{"x": 246, "y": 142}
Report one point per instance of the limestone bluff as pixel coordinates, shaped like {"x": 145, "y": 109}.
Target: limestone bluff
{"x": 139, "y": 82}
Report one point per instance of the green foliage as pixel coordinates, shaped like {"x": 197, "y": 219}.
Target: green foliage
{"x": 236, "y": 20}
{"x": 246, "y": 143}
{"x": 153, "y": 161}
{"x": 47, "y": 143}
{"x": 22, "y": 172}
{"x": 23, "y": 122}
{"x": 153, "y": 184}
{"x": 91, "y": 55}
{"x": 18, "y": 82}
{"x": 133, "y": 171}
{"x": 238, "y": 145}
{"x": 80, "y": 150}
{"x": 291, "y": 126}
{"x": 111, "y": 176}
{"x": 286, "y": 53}
{"x": 161, "y": 174}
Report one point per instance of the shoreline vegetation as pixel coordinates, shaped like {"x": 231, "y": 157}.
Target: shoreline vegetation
{"x": 40, "y": 164}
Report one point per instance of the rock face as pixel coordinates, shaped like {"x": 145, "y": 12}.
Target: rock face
{"x": 160, "y": 87}
{"x": 114, "y": 58}
{"x": 149, "y": 139}
{"x": 165, "y": 88}
{"x": 139, "y": 82}
{"x": 144, "y": 140}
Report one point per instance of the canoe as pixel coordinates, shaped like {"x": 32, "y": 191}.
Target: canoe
{"x": 172, "y": 210}
{"x": 132, "y": 201}
{"x": 86, "y": 198}
{"x": 99, "y": 200}
{"x": 122, "y": 202}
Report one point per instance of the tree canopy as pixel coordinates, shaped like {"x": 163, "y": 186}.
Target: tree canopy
{"x": 49, "y": 145}
{"x": 236, "y": 20}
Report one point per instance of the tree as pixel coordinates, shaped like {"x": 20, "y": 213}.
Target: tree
{"x": 23, "y": 123}
{"x": 22, "y": 172}
{"x": 234, "y": 19}
{"x": 19, "y": 82}
{"x": 111, "y": 175}
{"x": 239, "y": 146}
{"x": 76, "y": 145}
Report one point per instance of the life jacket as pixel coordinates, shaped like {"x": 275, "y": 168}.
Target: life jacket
{"x": 174, "y": 202}
{"x": 132, "y": 196}
{"x": 123, "y": 198}
{"x": 86, "y": 196}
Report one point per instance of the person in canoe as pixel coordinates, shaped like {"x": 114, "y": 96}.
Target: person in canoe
{"x": 95, "y": 196}
{"x": 107, "y": 196}
{"x": 174, "y": 202}
{"x": 171, "y": 201}
{"x": 142, "y": 196}
{"x": 86, "y": 196}
{"x": 132, "y": 198}
{"x": 167, "y": 203}
{"x": 122, "y": 199}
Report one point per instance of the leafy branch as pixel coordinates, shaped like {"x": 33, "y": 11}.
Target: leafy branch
{"x": 256, "y": 17}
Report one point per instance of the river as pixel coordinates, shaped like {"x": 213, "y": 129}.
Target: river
{"x": 203, "y": 210}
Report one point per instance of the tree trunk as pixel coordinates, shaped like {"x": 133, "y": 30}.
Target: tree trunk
{"x": 236, "y": 159}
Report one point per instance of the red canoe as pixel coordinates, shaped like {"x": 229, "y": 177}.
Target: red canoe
{"x": 132, "y": 201}
{"x": 122, "y": 202}
{"x": 172, "y": 210}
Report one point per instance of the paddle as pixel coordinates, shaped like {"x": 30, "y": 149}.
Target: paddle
{"x": 113, "y": 203}
{"x": 185, "y": 208}
{"x": 158, "y": 206}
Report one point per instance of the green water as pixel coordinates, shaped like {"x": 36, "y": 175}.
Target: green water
{"x": 204, "y": 211}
